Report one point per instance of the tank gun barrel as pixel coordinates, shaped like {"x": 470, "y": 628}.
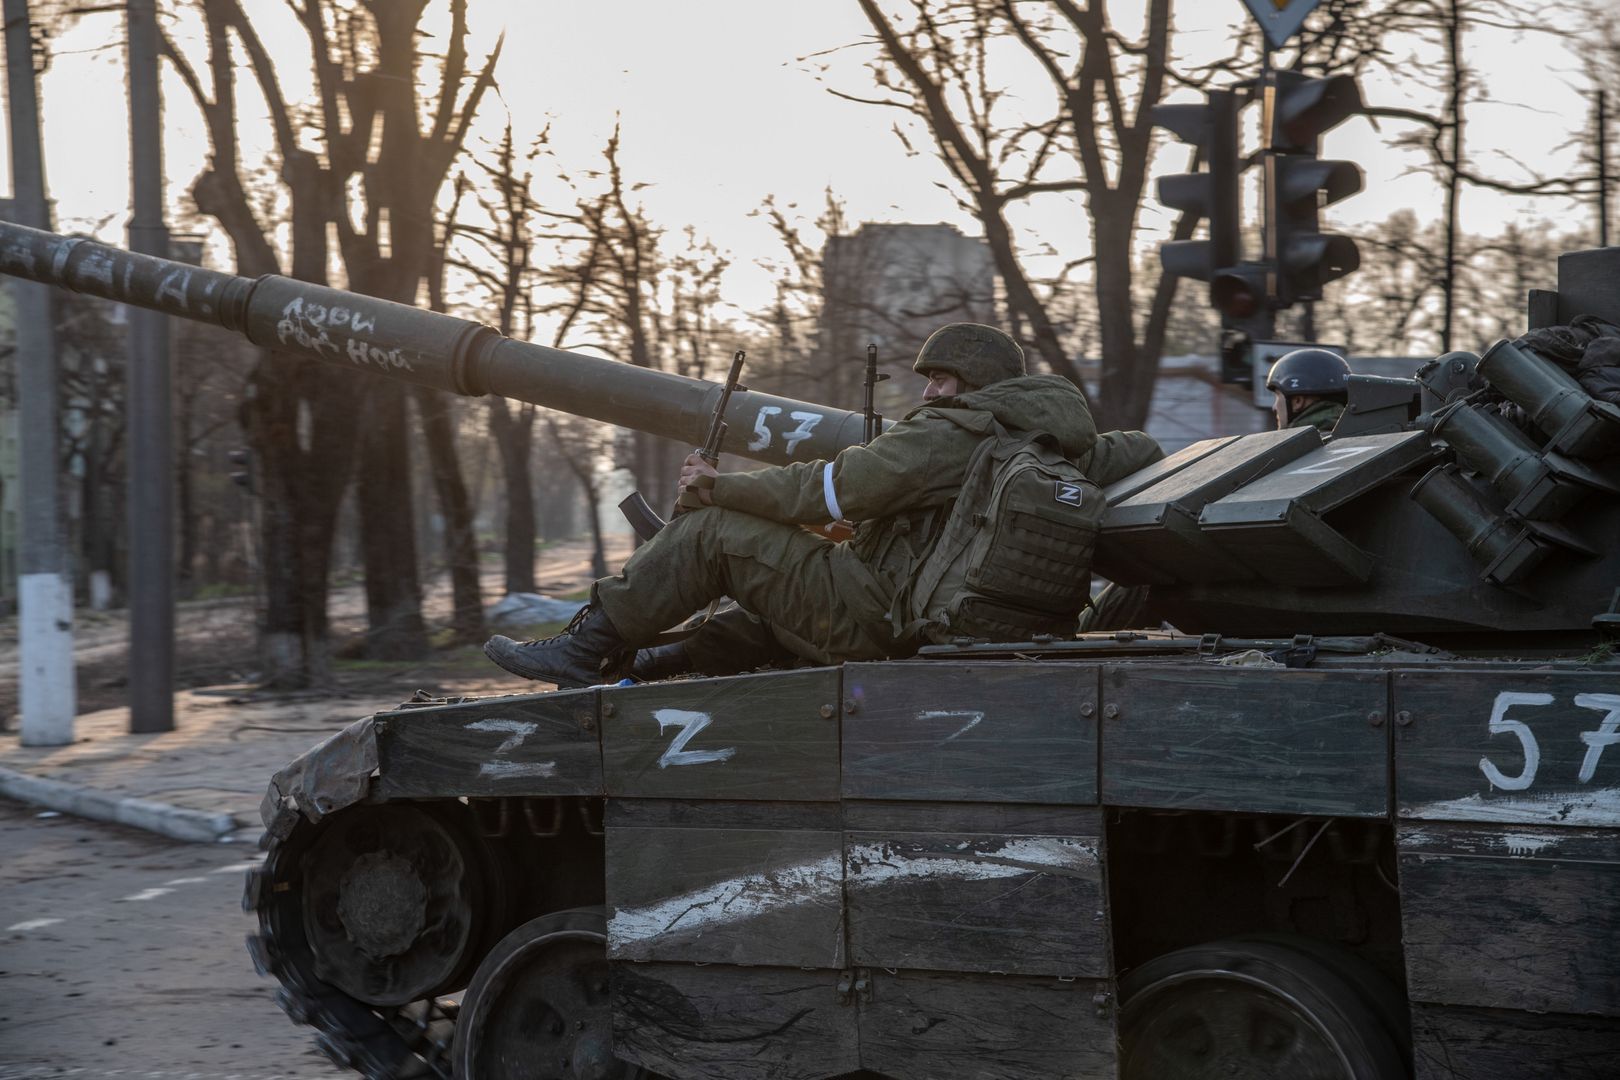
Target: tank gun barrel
{"x": 429, "y": 348}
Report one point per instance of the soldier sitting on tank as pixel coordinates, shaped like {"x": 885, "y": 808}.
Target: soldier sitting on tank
{"x": 1311, "y": 387}
{"x": 825, "y": 602}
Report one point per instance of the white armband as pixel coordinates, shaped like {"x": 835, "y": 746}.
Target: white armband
{"x": 828, "y": 494}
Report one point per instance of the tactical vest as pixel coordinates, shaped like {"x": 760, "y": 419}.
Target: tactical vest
{"x": 1013, "y": 557}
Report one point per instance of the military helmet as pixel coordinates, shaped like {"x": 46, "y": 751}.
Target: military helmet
{"x": 977, "y": 354}
{"x": 1317, "y": 372}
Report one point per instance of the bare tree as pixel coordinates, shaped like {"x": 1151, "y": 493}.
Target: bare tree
{"x": 577, "y": 442}
{"x": 301, "y": 415}
{"x": 437, "y": 412}
{"x": 797, "y": 316}
{"x": 609, "y": 273}
{"x": 1423, "y": 43}
{"x": 211, "y": 369}
{"x": 1601, "y": 63}
{"x": 940, "y": 66}
{"x": 604, "y": 284}
{"x": 501, "y": 266}
{"x": 694, "y": 306}
{"x": 1388, "y": 308}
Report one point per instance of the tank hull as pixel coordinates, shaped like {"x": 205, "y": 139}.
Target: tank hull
{"x": 800, "y": 865}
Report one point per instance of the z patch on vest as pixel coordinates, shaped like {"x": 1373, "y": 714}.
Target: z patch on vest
{"x": 1066, "y": 493}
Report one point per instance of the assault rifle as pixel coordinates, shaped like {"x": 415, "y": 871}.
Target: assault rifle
{"x": 642, "y": 517}
{"x": 837, "y": 531}
{"x": 874, "y": 422}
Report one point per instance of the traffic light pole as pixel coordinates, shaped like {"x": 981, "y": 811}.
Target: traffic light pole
{"x": 1296, "y": 258}
{"x": 151, "y": 453}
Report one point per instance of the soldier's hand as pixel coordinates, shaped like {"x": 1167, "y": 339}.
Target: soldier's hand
{"x": 697, "y": 476}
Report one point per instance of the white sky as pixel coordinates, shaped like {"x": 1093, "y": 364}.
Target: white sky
{"x": 717, "y": 114}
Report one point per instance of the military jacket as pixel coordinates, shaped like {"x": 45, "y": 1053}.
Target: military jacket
{"x": 1321, "y": 416}
{"x": 897, "y": 486}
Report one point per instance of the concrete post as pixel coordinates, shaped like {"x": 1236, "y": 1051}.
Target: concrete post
{"x": 47, "y": 693}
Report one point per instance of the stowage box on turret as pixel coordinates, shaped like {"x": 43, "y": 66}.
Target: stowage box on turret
{"x": 1358, "y": 818}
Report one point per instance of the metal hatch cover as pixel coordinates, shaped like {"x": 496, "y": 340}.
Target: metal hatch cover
{"x": 1152, "y": 537}
{"x": 1321, "y": 480}
{"x": 1274, "y": 526}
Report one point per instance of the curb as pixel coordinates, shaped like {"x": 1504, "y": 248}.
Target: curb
{"x": 174, "y": 822}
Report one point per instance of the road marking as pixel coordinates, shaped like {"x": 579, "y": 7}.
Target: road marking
{"x": 145, "y": 894}
{"x": 31, "y": 924}
{"x": 234, "y": 868}
{"x": 185, "y": 881}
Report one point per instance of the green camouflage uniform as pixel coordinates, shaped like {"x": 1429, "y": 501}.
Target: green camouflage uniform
{"x": 1321, "y": 416}
{"x": 828, "y": 602}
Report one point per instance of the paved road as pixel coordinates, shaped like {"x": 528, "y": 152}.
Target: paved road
{"x": 121, "y": 955}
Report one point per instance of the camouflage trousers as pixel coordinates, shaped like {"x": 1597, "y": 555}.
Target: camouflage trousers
{"x": 814, "y": 597}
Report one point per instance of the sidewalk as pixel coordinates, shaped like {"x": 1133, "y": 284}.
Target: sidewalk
{"x": 203, "y": 780}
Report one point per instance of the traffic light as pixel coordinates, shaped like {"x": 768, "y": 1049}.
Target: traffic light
{"x": 1211, "y": 194}
{"x": 1239, "y": 294}
{"x": 1298, "y": 109}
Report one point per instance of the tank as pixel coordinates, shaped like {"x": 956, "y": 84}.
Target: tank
{"x": 1347, "y": 806}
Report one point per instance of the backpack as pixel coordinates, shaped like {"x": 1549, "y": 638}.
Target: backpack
{"x": 1013, "y": 558}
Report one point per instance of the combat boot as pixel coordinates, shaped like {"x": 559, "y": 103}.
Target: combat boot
{"x": 661, "y": 662}
{"x": 589, "y": 651}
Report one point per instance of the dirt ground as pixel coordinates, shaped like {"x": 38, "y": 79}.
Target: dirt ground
{"x": 215, "y": 640}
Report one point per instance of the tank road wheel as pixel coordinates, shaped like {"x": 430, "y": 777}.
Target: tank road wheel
{"x": 1387, "y": 1002}
{"x": 392, "y": 901}
{"x": 538, "y": 1006}
{"x": 1258, "y": 1010}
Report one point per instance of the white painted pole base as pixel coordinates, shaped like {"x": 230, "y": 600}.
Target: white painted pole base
{"x": 47, "y": 696}
{"x": 101, "y": 590}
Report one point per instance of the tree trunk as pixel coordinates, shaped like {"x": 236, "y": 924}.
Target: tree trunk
{"x": 1124, "y": 404}
{"x": 460, "y": 540}
{"x": 514, "y": 436}
{"x": 594, "y": 509}
{"x": 290, "y": 637}
{"x": 1022, "y": 302}
{"x": 394, "y": 629}
{"x": 302, "y": 420}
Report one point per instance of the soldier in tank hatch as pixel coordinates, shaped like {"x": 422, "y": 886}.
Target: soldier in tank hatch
{"x": 825, "y": 602}
{"x": 1311, "y": 387}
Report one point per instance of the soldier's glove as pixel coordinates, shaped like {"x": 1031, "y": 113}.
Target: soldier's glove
{"x": 692, "y": 495}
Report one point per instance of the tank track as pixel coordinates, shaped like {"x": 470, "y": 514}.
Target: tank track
{"x": 405, "y": 1042}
